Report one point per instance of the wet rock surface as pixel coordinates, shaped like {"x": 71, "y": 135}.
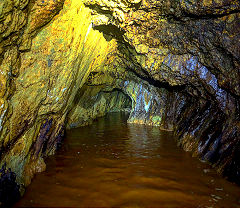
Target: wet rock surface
{"x": 9, "y": 189}
{"x": 64, "y": 63}
{"x": 112, "y": 163}
{"x": 191, "y": 49}
{"x": 40, "y": 80}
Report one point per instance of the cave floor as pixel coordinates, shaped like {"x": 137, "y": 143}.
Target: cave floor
{"x": 115, "y": 164}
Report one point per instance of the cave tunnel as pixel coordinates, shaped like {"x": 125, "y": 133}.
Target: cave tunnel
{"x": 119, "y": 103}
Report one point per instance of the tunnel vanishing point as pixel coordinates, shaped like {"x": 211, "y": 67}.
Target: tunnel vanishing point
{"x": 172, "y": 63}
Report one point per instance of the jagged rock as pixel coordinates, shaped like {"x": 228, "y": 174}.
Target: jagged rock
{"x": 64, "y": 63}
{"x": 91, "y": 103}
{"x": 9, "y": 189}
{"x": 39, "y": 84}
{"x": 192, "y": 49}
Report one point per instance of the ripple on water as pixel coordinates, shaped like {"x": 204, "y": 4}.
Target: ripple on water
{"x": 114, "y": 164}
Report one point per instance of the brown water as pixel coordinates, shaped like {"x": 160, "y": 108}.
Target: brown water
{"x": 115, "y": 164}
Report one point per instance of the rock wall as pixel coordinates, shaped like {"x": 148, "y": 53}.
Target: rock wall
{"x": 93, "y": 103}
{"x": 64, "y": 63}
{"x": 191, "y": 49}
{"x": 42, "y": 70}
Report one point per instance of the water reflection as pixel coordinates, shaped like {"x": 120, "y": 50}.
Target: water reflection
{"x": 114, "y": 164}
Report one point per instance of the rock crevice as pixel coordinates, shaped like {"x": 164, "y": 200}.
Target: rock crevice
{"x": 174, "y": 63}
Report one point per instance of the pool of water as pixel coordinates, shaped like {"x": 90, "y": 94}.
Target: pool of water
{"x": 115, "y": 164}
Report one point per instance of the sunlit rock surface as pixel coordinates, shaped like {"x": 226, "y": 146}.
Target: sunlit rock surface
{"x": 175, "y": 64}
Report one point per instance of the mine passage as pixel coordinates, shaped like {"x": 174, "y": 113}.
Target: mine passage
{"x": 115, "y": 164}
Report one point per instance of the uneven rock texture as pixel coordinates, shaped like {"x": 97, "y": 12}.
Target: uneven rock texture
{"x": 65, "y": 63}
{"x": 190, "y": 48}
{"x": 9, "y": 191}
{"x": 40, "y": 82}
{"x": 94, "y": 103}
